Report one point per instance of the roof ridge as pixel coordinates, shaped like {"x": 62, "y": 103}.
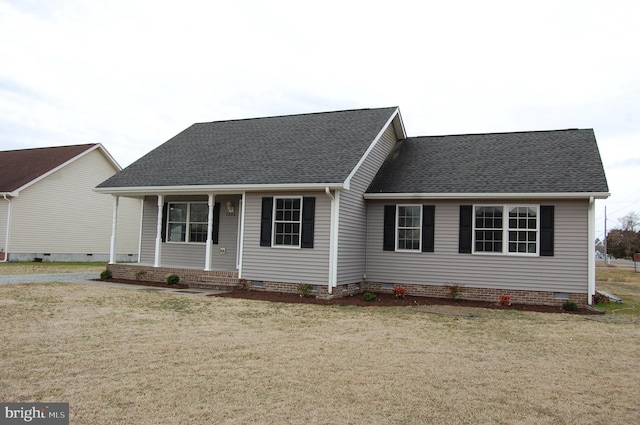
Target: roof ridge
{"x": 503, "y": 132}
{"x": 296, "y": 115}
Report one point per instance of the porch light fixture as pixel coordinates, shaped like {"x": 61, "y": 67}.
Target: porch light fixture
{"x": 230, "y": 207}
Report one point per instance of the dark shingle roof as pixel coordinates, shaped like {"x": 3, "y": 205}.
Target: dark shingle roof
{"x": 19, "y": 167}
{"x": 308, "y": 148}
{"x": 524, "y": 162}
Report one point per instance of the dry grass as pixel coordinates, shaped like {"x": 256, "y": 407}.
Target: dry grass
{"x": 124, "y": 356}
{"x": 47, "y": 268}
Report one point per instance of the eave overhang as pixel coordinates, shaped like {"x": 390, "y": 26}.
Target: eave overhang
{"x": 501, "y": 195}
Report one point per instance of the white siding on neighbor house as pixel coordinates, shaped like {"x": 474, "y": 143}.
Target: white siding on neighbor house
{"x": 192, "y": 255}
{"x": 289, "y": 265}
{"x": 62, "y": 214}
{"x": 566, "y": 271}
{"x": 353, "y": 212}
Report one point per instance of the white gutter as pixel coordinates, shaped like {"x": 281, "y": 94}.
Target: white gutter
{"x": 6, "y": 243}
{"x": 219, "y": 189}
{"x": 499, "y": 195}
{"x": 591, "y": 260}
{"x": 333, "y": 239}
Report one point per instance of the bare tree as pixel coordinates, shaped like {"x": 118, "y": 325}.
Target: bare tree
{"x": 630, "y": 221}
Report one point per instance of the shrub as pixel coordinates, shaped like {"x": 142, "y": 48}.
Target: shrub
{"x": 106, "y": 274}
{"x": 454, "y": 290}
{"x": 399, "y": 292}
{"x": 570, "y": 306}
{"x": 172, "y": 279}
{"x": 304, "y": 289}
{"x": 504, "y": 300}
{"x": 370, "y": 296}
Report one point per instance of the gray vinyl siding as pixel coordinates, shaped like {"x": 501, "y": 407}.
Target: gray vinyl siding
{"x": 353, "y": 212}
{"x": 192, "y": 255}
{"x": 289, "y": 265}
{"x": 566, "y": 271}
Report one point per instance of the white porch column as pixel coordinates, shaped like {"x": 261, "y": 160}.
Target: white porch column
{"x": 207, "y": 261}
{"x": 156, "y": 261}
{"x": 114, "y": 226}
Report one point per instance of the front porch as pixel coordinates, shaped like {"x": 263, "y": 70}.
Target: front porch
{"x": 195, "y": 278}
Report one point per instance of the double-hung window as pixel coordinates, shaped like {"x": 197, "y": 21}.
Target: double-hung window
{"x": 506, "y": 229}
{"x": 287, "y": 222}
{"x": 409, "y": 230}
{"x": 187, "y": 222}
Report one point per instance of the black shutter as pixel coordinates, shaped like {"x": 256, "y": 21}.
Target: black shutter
{"x": 428, "y": 228}
{"x": 265, "y": 221}
{"x": 466, "y": 229}
{"x": 216, "y": 222}
{"x": 308, "y": 216}
{"x": 546, "y": 230}
{"x": 389, "y": 233}
{"x": 164, "y": 219}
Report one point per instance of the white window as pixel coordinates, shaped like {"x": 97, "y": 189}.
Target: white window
{"x": 187, "y": 222}
{"x": 409, "y": 230}
{"x": 506, "y": 229}
{"x": 287, "y": 222}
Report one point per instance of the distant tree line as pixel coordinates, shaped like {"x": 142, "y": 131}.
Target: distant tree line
{"x": 623, "y": 242}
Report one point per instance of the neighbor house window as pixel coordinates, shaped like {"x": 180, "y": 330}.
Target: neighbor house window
{"x": 187, "y": 222}
{"x": 506, "y": 229}
{"x": 287, "y": 222}
{"x": 409, "y": 227}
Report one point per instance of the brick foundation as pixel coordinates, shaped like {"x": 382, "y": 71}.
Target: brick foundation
{"x": 221, "y": 279}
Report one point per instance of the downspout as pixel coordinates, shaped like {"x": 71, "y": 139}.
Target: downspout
{"x": 591, "y": 260}
{"x": 6, "y": 243}
{"x": 333, "y": 240}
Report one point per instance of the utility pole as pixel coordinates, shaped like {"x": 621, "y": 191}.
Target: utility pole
{"x": 606, "y": 254}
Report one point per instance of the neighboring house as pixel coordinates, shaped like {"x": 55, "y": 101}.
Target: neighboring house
{"x": 346, "y": 202}
{"x": 49, "y": 211}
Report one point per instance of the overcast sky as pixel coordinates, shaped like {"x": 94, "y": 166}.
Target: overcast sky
{"x": 131, "y": 74}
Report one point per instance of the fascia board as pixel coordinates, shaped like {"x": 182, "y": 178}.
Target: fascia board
{"x": 547, "y": 195}
{"x": 347, "y": 182}
{"x": 198, "y": 190}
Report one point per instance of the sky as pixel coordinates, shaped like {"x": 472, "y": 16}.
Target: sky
{"x": 131, "y": 74}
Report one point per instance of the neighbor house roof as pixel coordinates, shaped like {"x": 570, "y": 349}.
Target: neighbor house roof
{"x": 19, "y": 168}
{"x": 318, "y": 148}
{"x": 553, "y": 162}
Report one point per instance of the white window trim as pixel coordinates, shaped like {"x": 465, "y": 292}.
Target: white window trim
{"x": 419, "y": 250}
{"x": 273, "y": 223}
{"x": 188, "y": 223}
{"x": 505, "y": 230}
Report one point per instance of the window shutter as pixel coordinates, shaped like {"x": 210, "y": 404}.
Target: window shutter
{"x": 308, "y": 216}
{"x": 389, "y": 236}
{"x": 165, "y": 219}
{"x": 546, "y": 230}
{"x": 428, "y": 228}
{"x": 265, "y": 221}
{"x": 466, "y": 229}
{"x": 216, "y": 222}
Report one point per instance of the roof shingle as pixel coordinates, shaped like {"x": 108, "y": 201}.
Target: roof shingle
{"x": 19, "y": 167}
{"x": 558, "y": 161}
{"x": 307, "y": 148}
